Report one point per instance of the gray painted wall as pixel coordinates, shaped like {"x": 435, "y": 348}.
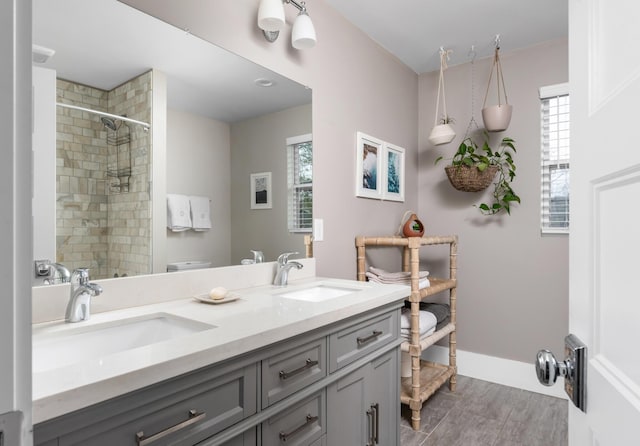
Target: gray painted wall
{"x": 357, "y": 86}
{"x": 514, "y": 282}
{"x": 198, "y": 158}
{"x": 259, "y": 145}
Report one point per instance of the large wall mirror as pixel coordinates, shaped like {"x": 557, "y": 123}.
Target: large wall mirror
{"x": 219, "y": 127}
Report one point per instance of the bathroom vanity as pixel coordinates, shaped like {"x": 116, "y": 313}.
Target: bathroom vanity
{"x": 313, "y": 363}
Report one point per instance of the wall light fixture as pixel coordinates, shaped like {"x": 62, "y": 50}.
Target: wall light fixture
{"x": 271, "y": 21}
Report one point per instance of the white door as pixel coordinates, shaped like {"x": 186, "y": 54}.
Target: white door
{"x": 15, "y": 222}
{"x": 604, "y": 67}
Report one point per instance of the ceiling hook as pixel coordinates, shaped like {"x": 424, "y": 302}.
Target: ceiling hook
{"x": 497, "y": 41}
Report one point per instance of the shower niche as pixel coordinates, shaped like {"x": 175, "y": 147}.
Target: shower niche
{"x": 119, "y": 155}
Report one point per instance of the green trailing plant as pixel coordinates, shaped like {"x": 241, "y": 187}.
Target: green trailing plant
{"x": 470, "y": 155}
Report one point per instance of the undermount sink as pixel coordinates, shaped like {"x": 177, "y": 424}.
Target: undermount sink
{"x": 78, "y": 343}
{"x": 318, "y": 292}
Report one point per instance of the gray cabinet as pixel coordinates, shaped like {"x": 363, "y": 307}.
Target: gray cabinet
{"x": 337, "y": 385}
{"x": 180, "y": 411}
{"x": 362, "y": 407}
{"x": 300, "y": 425}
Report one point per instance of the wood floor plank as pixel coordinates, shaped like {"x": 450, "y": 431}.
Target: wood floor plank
{"x": 481, "y": 413}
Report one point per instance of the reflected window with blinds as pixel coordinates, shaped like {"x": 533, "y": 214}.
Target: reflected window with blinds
{"x": 555, "y": 165}
{"x": 300, "y": 183}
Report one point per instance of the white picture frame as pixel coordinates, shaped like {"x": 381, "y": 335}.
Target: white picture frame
{"x": 392, "y": 172}
{"x": 369, "y": 151}
{"x": 261, "y": 191}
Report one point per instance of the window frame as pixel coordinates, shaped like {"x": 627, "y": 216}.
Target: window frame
{"x": 293, "y": 222}
{"x": 547, "y": 165}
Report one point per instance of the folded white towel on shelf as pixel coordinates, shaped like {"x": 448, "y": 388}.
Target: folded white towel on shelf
{"x": 422, "y": 283}
{"x": 427, "y": 320}
{"x": 178, "y": 213}
{"x": 406, "y": 333}
{"x": 200, "y": 214}
{"x": 427, "y": 323}
{"x": 397, "y": 276}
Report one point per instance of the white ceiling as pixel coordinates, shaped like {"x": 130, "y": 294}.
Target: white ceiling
{"x": 414, "y": 30}
{"x": 104, "y": 43}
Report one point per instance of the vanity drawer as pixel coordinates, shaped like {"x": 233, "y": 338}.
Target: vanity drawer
{"x": 362, "y": 338}
{"x": 289, "y": 371}
{"x": 181, "y": 411}
{"x": 299, "y": 425}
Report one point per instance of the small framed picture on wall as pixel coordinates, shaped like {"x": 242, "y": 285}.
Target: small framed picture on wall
{"x": 261, "y": 190}
{"x": 393, "y": 173}
{"x": 368, "y": 166}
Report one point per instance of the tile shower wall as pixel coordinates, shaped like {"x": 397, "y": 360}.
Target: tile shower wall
{"x": 100, "y": 225}
{"x": 129, "y": 213}
{"x": 81, "y": 166}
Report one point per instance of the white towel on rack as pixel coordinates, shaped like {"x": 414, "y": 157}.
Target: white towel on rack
{"x": 422, "y": 283}
{"x": 178, "y": 213}
{"x": 427, "y": 319}
{"x": 200, "y": 214}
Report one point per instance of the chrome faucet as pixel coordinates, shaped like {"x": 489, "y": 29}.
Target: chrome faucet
{"x": 282, "y": 274}
{"x": 79, "y": 306}
{"x": 58, "y": 270}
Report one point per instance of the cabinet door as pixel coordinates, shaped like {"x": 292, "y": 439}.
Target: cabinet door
{"x": 382, "y": 387}
{"x": 347, "y": 422}
{"x": 363, "y": 408}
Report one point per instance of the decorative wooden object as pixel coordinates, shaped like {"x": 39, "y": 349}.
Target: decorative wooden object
{"x": 426, "y": 377}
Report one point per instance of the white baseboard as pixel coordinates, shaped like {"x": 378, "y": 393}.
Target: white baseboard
{"x": 507, "y": 372}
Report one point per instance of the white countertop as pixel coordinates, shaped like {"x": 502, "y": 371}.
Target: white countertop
{"x": 257, "y": 319}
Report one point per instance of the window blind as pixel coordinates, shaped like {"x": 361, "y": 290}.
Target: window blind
{"x": 300, "y": 184}
{"x": 555, "y": 158}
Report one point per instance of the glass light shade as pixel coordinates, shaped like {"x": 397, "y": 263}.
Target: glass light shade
{"x": 303, "y": 34}
{"x": 271, "y": 15}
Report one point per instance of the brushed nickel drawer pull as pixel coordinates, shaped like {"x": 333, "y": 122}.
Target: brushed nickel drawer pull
{"x": 370, "y": 440}
{"x": 194, "y": 417}
{"x": 369, "y": 338}
{"x": 376, "y": 430}
{"x": 310, "y": 419}
{"x": 307, "y": 365}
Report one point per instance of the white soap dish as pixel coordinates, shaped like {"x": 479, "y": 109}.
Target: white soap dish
{"x": 205, "y": 299}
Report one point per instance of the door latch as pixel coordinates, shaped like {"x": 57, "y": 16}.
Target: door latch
{"x": 572, "y": 369}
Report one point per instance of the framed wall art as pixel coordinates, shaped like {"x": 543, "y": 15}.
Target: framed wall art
{"x": 368, "y": 166}
{"x": 392, "y": 172}
{"x": 261, "y": 191}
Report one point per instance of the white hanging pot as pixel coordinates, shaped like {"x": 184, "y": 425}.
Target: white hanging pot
{"x": 497, "y": 117}
{"x": 441, "y": 134}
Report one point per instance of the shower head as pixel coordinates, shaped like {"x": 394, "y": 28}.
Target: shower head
{"x": 109, "y": 123}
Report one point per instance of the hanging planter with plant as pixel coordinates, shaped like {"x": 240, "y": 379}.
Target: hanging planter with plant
{"x": 497, "y": 117}
{"x": 473, "y": 169}
{"x": 442, "y": 132}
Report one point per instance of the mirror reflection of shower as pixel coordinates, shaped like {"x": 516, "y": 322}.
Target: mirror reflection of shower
{"x": 119, "y": 154}
{"x": 103, "y": 177}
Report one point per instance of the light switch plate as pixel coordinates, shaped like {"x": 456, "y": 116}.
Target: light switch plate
{"x": 318, "y": 229}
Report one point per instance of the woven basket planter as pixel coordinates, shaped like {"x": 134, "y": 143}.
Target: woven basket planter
{"x": 470, "y": 179}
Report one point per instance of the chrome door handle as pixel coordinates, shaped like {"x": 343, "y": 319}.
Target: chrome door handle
{"x": 572, "y": 369}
